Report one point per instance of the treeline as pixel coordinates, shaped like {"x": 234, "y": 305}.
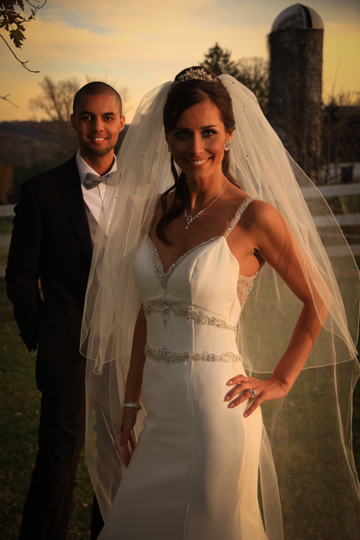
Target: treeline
{"x": 27, "y": 148}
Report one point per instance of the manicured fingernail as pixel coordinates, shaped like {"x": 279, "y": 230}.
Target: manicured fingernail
{"x": 231, "y": 405}
{"x": 227, "y": 398}
{"x": 246, "y": 414}
{"x": 230, "y": 382}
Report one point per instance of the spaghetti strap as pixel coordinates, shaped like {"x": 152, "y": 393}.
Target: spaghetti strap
{"x": 239, "y": 212}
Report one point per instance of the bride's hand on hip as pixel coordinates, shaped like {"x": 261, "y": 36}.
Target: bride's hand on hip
{"x": 125, "y": 441}
{"x": 257, "y": 391}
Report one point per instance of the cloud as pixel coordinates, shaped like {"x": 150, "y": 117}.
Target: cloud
{"x": 141, "y": 44}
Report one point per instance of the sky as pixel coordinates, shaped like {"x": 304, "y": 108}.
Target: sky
{"x": 137, "y": 45}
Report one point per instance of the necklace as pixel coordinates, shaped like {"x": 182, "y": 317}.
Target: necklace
{"x": 190, "y": 219}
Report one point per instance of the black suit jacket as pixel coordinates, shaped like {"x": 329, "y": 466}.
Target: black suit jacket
{"x": 50, "y": 241}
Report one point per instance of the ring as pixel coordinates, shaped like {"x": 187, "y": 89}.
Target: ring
{"x": 253, "y": 393}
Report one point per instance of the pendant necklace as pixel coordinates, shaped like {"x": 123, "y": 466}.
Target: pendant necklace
{"x": 190, "y": 219}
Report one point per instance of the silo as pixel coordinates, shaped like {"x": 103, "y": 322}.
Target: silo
{"x": 296, "y": 55}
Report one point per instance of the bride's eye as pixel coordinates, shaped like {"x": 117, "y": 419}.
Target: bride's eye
{"x": 181, "y": 135}
{"x": 208, "y": 132}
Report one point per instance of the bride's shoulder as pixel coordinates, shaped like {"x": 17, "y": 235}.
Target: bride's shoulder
{"x": 260, "y": 209}
{"x": 251, "y": 206}
{"x": 266, "y": 224}
{"x": 261, "y": 215}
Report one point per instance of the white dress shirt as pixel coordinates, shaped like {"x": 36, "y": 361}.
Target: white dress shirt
{"x": 93, "y": 197}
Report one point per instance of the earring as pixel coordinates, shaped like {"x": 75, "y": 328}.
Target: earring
{"x": 169, "y": 148}
{"x": 227, "y": 145}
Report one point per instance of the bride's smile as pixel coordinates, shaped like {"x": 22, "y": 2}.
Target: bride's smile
{"x": 197, "y": 144}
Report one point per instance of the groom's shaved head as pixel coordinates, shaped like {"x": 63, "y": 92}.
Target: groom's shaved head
{"x": 94, "y": 89}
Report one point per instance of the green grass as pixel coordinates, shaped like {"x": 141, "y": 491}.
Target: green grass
{"x": 19, "y": 418}
{"x": 4, "y": 251}
{"x": 321, "y": 471}
{"x": 356, "y": 421}
{"x": 5, "y": 230}
{"x": 5, "y": 225}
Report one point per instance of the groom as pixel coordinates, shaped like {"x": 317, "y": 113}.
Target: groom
{"x": 49, "y": 262}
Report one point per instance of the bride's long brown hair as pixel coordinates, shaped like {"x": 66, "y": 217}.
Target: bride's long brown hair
{"x": 181, "y": 97}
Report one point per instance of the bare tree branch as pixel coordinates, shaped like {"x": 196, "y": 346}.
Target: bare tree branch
{"x": 18, "y": 59}
{"x": 13, "y": 22}
{"x": 36, "y": 7}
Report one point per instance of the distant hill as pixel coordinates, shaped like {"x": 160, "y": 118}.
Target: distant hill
{"x": 32, "y": 147}
{"x": 23, "y": 143}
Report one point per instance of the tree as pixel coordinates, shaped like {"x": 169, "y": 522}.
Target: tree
{"x": 252, "y": 72}
{"x": 13, "y": 22}
{"x": 218, "y": 61}
{"x": 55, "y": 102}
{"x": 340, "y": 137}
{"x": 6, "y": 182}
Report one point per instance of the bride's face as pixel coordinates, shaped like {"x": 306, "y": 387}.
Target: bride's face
{"x": 197, "y": 141}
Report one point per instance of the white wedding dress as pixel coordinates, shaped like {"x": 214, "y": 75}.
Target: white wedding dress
{"x": 194, "y": 473}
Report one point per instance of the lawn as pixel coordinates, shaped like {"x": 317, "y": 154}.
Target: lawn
{"x": 19, "y": 415}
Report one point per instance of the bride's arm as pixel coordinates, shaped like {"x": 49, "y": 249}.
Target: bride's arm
{"x": 133, "y": 387}
{"x": 276, "y": 246}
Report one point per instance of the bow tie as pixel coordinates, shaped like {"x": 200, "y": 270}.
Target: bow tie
{"x": 93, "y": 180}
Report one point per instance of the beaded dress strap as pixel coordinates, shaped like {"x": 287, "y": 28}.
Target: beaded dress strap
{"x": 239, "y": 212}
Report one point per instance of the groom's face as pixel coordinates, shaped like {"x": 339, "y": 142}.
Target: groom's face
{"x": 97, "y": 122}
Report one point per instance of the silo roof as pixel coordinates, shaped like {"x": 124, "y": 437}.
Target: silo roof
{"x": 297, "y": 17}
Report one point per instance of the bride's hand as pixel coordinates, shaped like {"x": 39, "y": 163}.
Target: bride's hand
{"x": 125, "y": 442}
{"x": 264, "y": 391}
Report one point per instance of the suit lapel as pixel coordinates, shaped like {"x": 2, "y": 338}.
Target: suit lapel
{"x": 69, "y": 185}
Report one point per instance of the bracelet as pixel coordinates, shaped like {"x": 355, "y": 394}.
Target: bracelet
{"x": 131, "y": 405}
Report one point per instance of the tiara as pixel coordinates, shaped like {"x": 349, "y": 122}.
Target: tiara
{"x": 195, "y": 74}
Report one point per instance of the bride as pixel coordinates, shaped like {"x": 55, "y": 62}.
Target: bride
{"x": 199, "y": 255}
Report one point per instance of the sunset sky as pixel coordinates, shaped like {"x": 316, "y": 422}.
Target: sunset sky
{"x": 139, "y": 44}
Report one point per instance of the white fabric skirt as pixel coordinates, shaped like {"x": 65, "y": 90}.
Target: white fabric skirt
{"x": 194, "y": 473}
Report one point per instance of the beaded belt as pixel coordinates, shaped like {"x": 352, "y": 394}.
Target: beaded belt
{"x": 166, "y": 355}
{"x": 165, "y": 307}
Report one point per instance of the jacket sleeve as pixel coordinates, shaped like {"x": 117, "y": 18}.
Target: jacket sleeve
{"x": 23, "y": 269}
